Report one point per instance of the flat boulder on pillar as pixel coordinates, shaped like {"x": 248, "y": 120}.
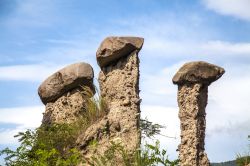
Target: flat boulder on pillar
{"x": 198, "y": 72}
{"x": 113, "y": 48}
{"x": 66, "y": 79}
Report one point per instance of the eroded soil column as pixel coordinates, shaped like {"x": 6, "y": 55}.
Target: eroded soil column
{"x": 119, "y": 85}
{"x": 193, "y": 80}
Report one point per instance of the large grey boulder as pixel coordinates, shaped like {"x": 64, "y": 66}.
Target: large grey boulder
{"x": 199, "y": 71}
{"x": 113, "y": 48}
{"x": 66, "y": 79}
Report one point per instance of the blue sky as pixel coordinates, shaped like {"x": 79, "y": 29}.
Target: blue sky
{"x": 39, "y": 37}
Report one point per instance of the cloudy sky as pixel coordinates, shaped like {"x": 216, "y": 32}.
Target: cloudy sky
{"x": 39, "y": 37}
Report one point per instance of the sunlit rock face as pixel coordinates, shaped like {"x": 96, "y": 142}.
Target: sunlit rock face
{"x": 198, "y": 72}
{"x": 119, "y": 87}
{"x": 61, "y": 93}
{"x": 193, "y": 80}
{"x": 114, "y": 48}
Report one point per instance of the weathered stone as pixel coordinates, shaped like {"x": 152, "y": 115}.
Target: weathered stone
{"x": 119, "y": 86}
{"x": 66, "y": 79}
{"x": 66, "y": 109}
{"x": 192, "y": 100}
{"x": 194, "y": 72}
{"x": 113, "y": 48}
{"x": 193, "y": 80}
{"x": 123, "y": 109}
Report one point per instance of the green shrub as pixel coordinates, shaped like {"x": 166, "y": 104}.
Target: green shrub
{"x": 148, "y": 155}
{"x": 44, "y": 147}
{"x": 54, "y": 144}
{"x": 243, "y": 159}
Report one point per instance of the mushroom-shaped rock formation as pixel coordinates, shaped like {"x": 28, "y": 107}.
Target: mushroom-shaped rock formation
{"x": 119, "y": 87}
{"x": 198, "y": 72}
{"x": 64, "y": 80}
{"x": 62, "y": 95}
{"x": 113, "y": 48}
{"x": 193, "y": 80}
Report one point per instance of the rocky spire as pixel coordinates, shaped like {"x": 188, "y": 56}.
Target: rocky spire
{"x": 119, "y": 87}
{"x": 193, "y": 80}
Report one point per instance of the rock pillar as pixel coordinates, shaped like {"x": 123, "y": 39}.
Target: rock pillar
{"x": 61, "y": 94}
{"x": 119, "y": 85}
{"x": 193, "y": 80}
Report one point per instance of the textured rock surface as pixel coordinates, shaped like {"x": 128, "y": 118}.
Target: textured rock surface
{"x": 119, "y": 85}
{"x": 198, "y": 72}
{"x": 192, "y": 100}
{"x": 65, "y": 109}
{"x": 64, "y": 80}
{"x": 193, "y": 80}
{"x": 113, "y": 48}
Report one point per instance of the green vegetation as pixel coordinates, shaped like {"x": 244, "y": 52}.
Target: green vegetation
{"x": 44, "y": 146}
{"x": 95, "y": 107}
{"x": 148, "y": 129}
{"x": 55, "y": 144}
{"x": 40, "y": 151}
{"x": 243, "y": 159}
{"x": 148, "y": 155}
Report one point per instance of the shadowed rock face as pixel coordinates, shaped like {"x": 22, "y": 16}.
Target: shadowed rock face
{"x": 66, "y": 109}
{"x": 61, "y": 94}
{"x": 193, "y": 79}
{"x": 119, "y": 86}
{"x": 113, "y": 48}
{"x": 64, "y": 80}
{"x": 198, "y": 72}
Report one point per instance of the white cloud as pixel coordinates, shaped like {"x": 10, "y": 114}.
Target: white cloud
{"x": 7, "y": 136}
{"x": 220, "y": 48}
{"x": 65, "y": 53}
{"x": 195, "y": 49}
{"x": 236, "y": 8}
{"x": 228, "y": 116}
{"x": 23, "y": 117}
{"x": 37, "y": 72}
{"x": 228, "y": 106}
{"x": 190, "y": 36}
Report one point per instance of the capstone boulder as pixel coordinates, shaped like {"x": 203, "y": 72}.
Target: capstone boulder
{"x": 66, "y": 79}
